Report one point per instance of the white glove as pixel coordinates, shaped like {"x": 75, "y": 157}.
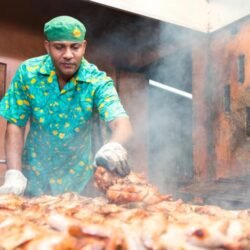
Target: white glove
{"x": 15, "y": 182}
{"x": 113, "y": 156}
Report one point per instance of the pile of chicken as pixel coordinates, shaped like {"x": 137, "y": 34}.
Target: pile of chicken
{"x": 133, "y": 215}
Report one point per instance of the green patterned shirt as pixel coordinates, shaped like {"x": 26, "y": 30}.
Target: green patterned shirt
{"x": 57, "y": 154}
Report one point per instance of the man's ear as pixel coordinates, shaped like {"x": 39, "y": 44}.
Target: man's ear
{"x": 84, "y": 45}
{"x": 46, "y": 45}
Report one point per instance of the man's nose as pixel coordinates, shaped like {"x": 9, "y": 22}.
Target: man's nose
{"x": 68, "y": 53}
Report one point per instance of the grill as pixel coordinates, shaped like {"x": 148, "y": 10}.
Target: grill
{"x": 231, "y": 193}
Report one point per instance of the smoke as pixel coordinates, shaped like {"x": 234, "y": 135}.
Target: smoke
{"x": 148, "y": 49}
{"x": 163, "y": 52}
{"x": 170, "y": 114}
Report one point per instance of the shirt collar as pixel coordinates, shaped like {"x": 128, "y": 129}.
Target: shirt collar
{"x": 82, "y": 75}
{"x": 46, "y": 66}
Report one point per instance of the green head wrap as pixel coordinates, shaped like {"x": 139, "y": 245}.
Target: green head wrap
{"x": 64, "y": 28}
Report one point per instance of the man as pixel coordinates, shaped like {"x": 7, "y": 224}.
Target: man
{"x": 57, "y": 92}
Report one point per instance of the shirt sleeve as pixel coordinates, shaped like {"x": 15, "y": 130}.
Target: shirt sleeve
{"x": 107, "y": 100}
{"x": 15, "y": 105}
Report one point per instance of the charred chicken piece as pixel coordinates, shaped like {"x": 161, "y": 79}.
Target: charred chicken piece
{"x": 132, "y": 188}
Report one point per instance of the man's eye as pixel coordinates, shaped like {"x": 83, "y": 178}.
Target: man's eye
{"x": 58, "y": 47}
{"x": 75, "y": 47}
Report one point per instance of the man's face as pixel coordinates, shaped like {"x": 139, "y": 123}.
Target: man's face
{"x": 66, "y": 56}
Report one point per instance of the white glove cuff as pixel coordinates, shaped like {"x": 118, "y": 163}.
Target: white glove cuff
{"x": 13, "y": 175}
{"x": 113, "y": 145}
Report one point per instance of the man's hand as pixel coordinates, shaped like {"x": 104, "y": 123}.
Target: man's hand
{"x": 113, "y": 156}
{"x": 14, "y": 182}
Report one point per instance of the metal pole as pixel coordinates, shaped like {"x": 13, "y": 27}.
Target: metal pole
{"x": 171, "y": 89}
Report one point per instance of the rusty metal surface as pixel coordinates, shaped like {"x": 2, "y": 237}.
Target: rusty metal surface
{"x": 221, "y": 135}
{"x": 227, "y": 192}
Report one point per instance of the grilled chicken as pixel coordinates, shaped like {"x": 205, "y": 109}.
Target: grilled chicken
{"x": 129, "y": 218}
{"x": 132, "y": 188}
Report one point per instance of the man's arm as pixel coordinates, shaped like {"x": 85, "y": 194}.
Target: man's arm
{"x": 121, "y": 130}
{"x": 14, "y": 141}
{"x": 113, "y": 156}
{"x": 14, "y": 182}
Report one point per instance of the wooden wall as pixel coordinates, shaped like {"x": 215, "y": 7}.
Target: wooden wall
{"x": 17, "y": 43}
{"x": 12, "y": 65}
